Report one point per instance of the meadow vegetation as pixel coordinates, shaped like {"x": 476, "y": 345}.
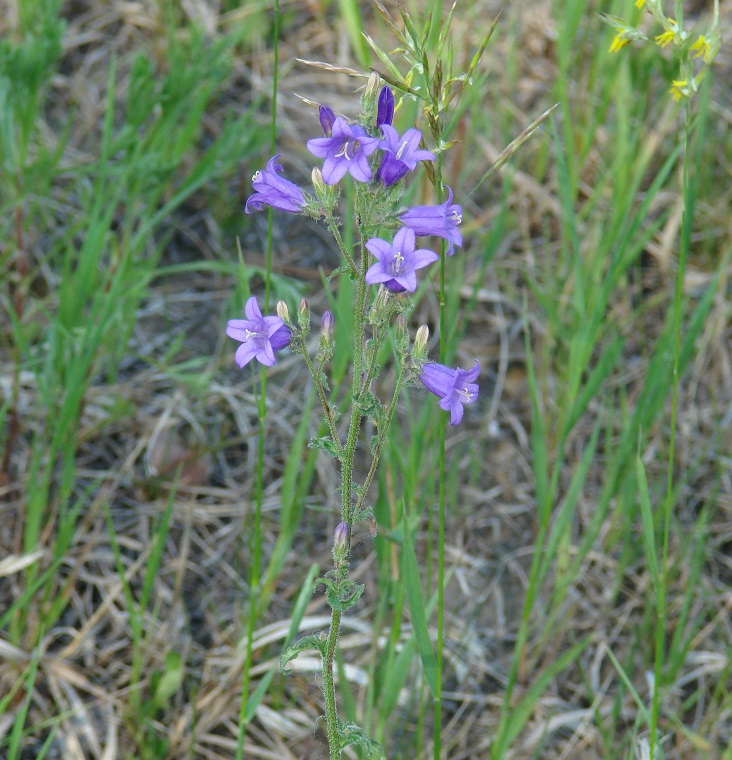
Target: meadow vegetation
{"x": 163, "y": 519}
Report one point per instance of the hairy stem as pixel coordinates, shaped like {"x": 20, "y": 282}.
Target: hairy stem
{"x": 331, "y": 711}
{"x": 324, "y": 401}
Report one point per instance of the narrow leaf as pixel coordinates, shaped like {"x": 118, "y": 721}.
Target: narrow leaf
{"x": 417, "y": 610}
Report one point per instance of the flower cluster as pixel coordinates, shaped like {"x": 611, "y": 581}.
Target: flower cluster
{"x": 375, "y": 155}
{"x": 704, "y": 47}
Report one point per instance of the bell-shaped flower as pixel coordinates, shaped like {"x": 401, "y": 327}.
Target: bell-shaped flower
{"x": 400, "y": 154}
{"x": 441, "y": 220}
{"x": 397, "y": 262}
{"x": 260, "y": 336}
{"x": 455, "y": 387}
{"x": 273, "y": 190}
{"x": 346, "y": 151}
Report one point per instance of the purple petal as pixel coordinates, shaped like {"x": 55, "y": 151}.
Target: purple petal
{"x": 456, "y": 413}
{"x": 376, "y": 274}
{"x": 437, "y": 378}
{"x": 394, "y": 286}
{"x": 320, "y": 146}
{"x": 237, "y": 329}
{"x": 360, "y": 169}
{"x": 380, "y": 248}
{"x": 266, "y": 355}
{"x": 281, "y": 338}
{"x": 245, "y": 353}
{"x": 251, "y": 309}
{"x": 404, "y": 240}
{"x": 385, "y": 111}
{"x": 334, "y": 170}
{"x": 327, "y": 117}
{"x": 408, "y": 280}
{"x": 422, "y": 257}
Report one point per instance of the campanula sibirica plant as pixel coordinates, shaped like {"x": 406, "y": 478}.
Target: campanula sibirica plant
{"x": 387, "y": 265}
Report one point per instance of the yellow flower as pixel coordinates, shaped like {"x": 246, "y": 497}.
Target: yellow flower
{"x": 619, "y": 42}
{"x": 701, "y": 48}
{"x": 668, "y": 35}
{"x": 639, "y": 4}
{"x": 679, "y": 89}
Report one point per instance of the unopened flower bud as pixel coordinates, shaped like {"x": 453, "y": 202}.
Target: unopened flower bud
{"x": 400, "y": 325}
{"x": 327, "y": 325}
{"x": 385, "y": 113}
{"x": 303, "y": 314}
{"x": 372, "y": 86}
{"x": 420, "y": 342}
{"x": 368, "y": 100}
{"x": 340, "y": 536}
{"x": 283, "y": 312}
{"x": 318, "y": 182}
{"x": 327, "y": 118}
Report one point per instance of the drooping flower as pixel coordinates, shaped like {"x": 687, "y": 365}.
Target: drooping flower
{"x": 346, "y": 151}
{"x": 273, "y": 190}
{"x": 397, "y": 261}
{"x": 455, "y": 387}
{"x": 441, "y": 220}
{"x": 385, "y": 110}
{"x": 400, "y": 154}
{"x": 260, "y": 336}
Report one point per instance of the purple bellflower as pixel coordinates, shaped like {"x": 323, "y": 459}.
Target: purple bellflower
{"x": 400, "y": 154}
{"x": 385, "y": 110}
{"x": 346, "y": 151}
{"x": 273, "y": 190}
{"x": 397, "y": 261}
{"x": 327, "y": 117}
{"x": 455, "y": 387}
{"x": 260, "y": 336}
{"x": 442, "y": 220}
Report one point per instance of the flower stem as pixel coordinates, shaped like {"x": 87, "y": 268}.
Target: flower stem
{"x": 331, "y": 711}
{"x": 333, "y": 227}
{"x": 324, "y": 401}
{"x": 383, "y": 431}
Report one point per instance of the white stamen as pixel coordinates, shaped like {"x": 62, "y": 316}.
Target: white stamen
{"x": 466, "y": 395}
{"x": 344, "y": 150}
{"x": 396, "y": 266}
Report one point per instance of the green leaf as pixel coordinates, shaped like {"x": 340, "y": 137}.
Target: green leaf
{"x": 649, "y": 534}
{"x": 417, "y": 608}
{"x": 312, "y": 642}
{"x": 351, "y": 734}
{"x": 324, "y": 443}
{"x": 343, "y": 596}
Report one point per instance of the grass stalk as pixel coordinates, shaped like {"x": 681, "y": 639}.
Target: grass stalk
{"x": 668, "y": 502}
{"x": 256, "y": 536}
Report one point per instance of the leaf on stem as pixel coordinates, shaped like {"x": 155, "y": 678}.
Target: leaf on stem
{"x": 305, "y": 644}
